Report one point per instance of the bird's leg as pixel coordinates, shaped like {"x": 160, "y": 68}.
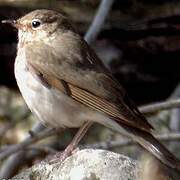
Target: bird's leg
{"x": 77, "y": 138}
{"x": 69, "y": 149}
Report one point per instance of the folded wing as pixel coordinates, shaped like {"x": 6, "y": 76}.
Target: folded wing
{"x": 86, "y": 80}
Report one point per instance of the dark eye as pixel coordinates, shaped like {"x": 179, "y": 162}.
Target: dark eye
{"x": 36, "y": 23}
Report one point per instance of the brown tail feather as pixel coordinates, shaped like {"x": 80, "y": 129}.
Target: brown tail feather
{"x": 149, "y": 142}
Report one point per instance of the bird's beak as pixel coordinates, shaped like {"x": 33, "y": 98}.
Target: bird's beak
{"x": 11, "y": 22}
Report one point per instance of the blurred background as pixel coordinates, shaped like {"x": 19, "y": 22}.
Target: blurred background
{"x": 139, "y": 43}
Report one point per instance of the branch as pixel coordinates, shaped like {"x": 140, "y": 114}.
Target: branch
{"x": 159, "y": 106}
{"x": 12, "y": 122}
{"x": 27, "y": 155}
{"x": 128, "y": 142}
{"x": 27, "y": 142}
{"x": 42, "y": 148}
{"x": 98, "y": 21}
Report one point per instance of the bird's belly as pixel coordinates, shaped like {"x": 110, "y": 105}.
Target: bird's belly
{"x": 49, "y": 105}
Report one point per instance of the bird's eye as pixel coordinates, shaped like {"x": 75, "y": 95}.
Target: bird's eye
{"x": 36, "y": 23}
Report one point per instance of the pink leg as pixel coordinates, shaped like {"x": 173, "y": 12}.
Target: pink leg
{"x": 77, "y": 138}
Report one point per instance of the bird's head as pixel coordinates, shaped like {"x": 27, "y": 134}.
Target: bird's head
{"x": 40, "y": 25}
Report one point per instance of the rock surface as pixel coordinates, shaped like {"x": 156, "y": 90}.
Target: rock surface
{"x": 87, "y": 164}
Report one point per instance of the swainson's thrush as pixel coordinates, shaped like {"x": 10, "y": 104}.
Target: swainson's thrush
{"x": 66, "y": 85}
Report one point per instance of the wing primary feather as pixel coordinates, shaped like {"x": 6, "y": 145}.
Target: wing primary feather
{"x": 103, "y": 106}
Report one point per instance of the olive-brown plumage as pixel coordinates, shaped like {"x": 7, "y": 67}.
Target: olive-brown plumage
{"x": 65, "y": 84}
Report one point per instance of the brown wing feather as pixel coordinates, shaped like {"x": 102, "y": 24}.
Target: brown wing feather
{"x": 114, "y": 111}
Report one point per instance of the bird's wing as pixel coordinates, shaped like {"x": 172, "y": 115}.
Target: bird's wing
{"x": 80, "y": 74}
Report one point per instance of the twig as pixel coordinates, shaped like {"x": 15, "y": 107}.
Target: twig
{"x": 159, "y": 106}
{"x": 98, "y": 21}
{"x": 14, "y": 161}
{"x": 127, "y": 142}
{"x": 19, "y": 159}
{"x": 12, "y": 122}
{"x": 42, "y": 148}
{"x": 5, "y": 147}
{"x": 27, "y": 142}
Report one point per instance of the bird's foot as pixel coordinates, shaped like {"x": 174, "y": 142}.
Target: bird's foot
{"x": 72, "y": 147}
{"x": 61, "y": 156}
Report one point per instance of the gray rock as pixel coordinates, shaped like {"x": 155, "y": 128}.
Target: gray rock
{"x": 87, "y": 164}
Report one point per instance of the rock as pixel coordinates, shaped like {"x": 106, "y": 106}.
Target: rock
{"x": 87, "y": 164}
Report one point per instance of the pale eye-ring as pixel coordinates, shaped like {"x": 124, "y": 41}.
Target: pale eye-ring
{"x": 35, "y": 23}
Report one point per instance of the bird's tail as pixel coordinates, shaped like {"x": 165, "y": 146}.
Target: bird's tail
{"x": 149, "y": 142}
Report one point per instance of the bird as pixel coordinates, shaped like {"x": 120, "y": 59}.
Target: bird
{"x": 66, "y": 85}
